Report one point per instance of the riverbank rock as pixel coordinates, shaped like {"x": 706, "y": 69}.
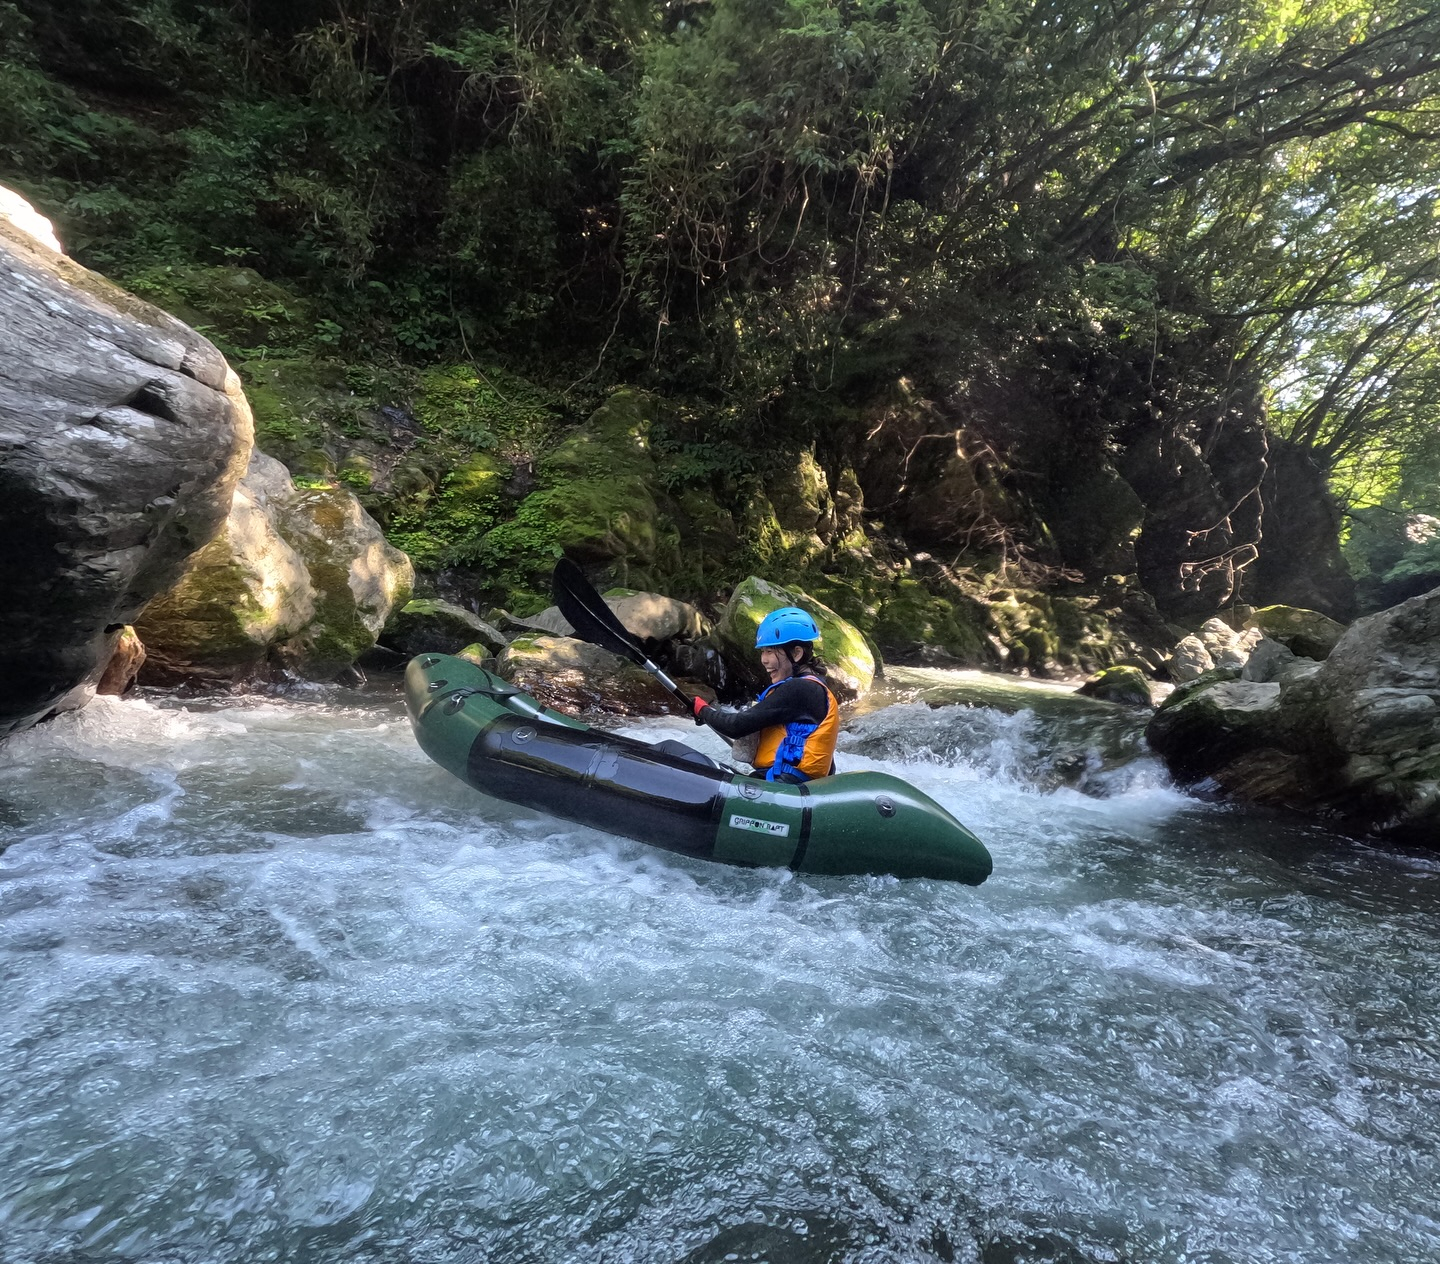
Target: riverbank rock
{"x": 124, "y": 666}
{"x": 427, "y": 625}
{"x": 572, "y": 675}
{"x": 1189, "y": 660}
{"x": 299, "y": 579}
{"x": 1125, "y": 685}
{"x": 1305, "y": 632}
{"x": 648, "y": 617}
{"x": 1271, "y": 661}
{"x": 847, "y": 657}
{"x": 122, "y": 436}
{"x": 1357, "y": 735}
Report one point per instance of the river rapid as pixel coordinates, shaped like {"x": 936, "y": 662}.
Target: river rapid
{"x": 273, "y": 986}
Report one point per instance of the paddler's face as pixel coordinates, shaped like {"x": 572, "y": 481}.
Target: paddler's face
{"x": 776, "y": 663}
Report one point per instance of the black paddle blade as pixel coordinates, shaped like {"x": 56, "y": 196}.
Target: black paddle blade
{"x": 587, "y": 613}
{"x": 594, "y": 621}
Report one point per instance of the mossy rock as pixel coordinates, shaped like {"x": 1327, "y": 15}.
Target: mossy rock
{"x": 428, "y": 625}
{"x": 1124, "y": 685}
{"x": 297, "y": 578}
{"x": 235, "y": 307}
{"x": 913, "y": 622}
{"x": 597, "y": 503}
{"x": 1305, "y": 632}
{"x": 357, "y": 577}
{"x": 842, "y": 648}
{"x": 440, "y": 526}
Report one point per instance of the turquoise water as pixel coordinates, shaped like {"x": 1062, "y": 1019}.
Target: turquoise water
{"x": 277, "y": 988}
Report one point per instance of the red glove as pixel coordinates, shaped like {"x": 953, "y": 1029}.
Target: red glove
{"x": 700, "y": 706}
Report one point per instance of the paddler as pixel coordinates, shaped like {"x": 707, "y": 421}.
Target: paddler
{"x": 796, "y": 717}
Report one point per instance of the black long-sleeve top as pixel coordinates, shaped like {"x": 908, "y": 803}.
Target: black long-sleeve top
{"x": 797, "y": 700}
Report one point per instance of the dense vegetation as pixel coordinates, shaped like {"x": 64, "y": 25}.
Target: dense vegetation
{"x": 1064, "y": 230}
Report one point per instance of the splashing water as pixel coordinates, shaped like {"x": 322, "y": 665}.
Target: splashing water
{"x": 278, "y": 988}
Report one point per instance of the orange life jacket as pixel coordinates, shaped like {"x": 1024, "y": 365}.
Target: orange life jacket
{"x": 807, "y": 749}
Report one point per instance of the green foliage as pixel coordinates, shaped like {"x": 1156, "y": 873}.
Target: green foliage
{"x": 774, "y": 211}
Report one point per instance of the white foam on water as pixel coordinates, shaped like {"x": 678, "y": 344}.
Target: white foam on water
{"x": 277, "y": 987}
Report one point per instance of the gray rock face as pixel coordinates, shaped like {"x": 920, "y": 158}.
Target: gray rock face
{"x": 1357, "y": 735}
{"x": 1379, "y": 693}
{"x": 122, "y": 436}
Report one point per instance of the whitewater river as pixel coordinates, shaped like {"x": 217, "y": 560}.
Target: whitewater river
{"x": 275, "y": 987}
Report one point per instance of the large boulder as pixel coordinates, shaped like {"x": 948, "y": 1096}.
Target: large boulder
{"x": 122, "y": 435}
{"x": 1379, "y": 695}
{"x": 1125, "y": 685}
{"x": 428, "y": 625}
{"x": 1357, "y": 735}
{"x": 849, "y": 662}
{"x": 1200, "y": 731}
{"x": 573, "y": 675}
{"x": 1305, "y": 632}
{"x": 298, "y": 579}
{"x": 648, "y": 617}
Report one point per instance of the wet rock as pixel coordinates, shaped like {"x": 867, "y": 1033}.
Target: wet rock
{"x": 124, "y": 666}
{"x": 122, "y": 436}
{"x": 1379, "y": 695}
{"x": 1306, "y": 632}
{"x": 298, "y": 579}
{"x": 427, "y": 625}
{"x": 1200, "y": 731}
{"x": 1189, "y": 660}
{"x": 1272, "y": 661}
{"x": 1357, "y": 735}
{"x": 848, "y": 659}
{"x": 573, "y": 675}
{"x": 1125, "y": 685}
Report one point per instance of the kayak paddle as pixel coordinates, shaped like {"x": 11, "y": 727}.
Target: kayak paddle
{"x": 594, "y": 621}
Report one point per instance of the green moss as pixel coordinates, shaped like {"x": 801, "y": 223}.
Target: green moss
{"x": 489, "y": 409}
{"x": 912, "y": 617}
{"x": 337, "y": 637}
{"x": 596, "y": 502}
{"x": 437, "y": 529}
{"x": 243, "y": 313}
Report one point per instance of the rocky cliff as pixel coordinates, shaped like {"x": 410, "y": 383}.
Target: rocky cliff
{"x": 122, "y": 436}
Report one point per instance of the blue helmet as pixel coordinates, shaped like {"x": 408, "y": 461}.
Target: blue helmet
{"x": 782, "y": 626}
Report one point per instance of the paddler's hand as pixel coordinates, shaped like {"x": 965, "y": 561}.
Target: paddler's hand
{"x": 701, "y": 706}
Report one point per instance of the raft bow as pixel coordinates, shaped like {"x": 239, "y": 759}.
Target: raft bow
{"x": 502, "y": 742}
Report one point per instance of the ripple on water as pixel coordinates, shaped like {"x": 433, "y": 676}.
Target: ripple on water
{"x": 277, "y": 987}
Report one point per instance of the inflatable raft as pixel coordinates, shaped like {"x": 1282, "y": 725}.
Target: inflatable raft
{"x": 505, "y": 744}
